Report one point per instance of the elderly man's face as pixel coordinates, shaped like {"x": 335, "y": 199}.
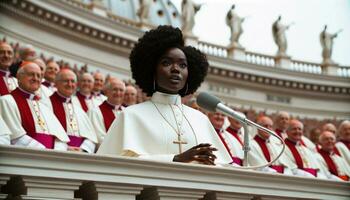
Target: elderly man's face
{"x": 30, "y": 79}
{"x": 86, "y": 83}
{"x": 98, "y": 82}
{"x": 115, "y": 93}
{"x": 42, "y": 66}
{"x": 329, "y": 127}
{"x": 282, "y": 121}
{"x": 267, "y": 123}
{"x": 6, "y": 56}
{"x": 345, "y": 132}
{"x": 295, "y": 131}
{"x": 216, "y": 119}
{"x": 327, "y": 141}
{"x": 66, "y": 84}
{"x": 130, "y": 96}
{"x": 51, "y": 70}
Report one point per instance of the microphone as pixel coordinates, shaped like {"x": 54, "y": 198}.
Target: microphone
{"x": 213, "y": 104}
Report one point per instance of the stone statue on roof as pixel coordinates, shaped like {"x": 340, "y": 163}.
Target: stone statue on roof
{"x": 234, "y": 22}
{"x": 326, "y": 40}
{"x": 143, "y": 11}
{"x": 188, "y": 9}
{"x": 279, "y": 36}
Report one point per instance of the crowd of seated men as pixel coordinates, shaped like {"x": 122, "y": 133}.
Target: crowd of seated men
{"x": 50, "y": 105}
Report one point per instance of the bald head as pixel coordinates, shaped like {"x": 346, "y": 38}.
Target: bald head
{"x": 6, "y": 56}
{"x": 86, "y": 83}
{"x": 130, "y": 96}
{"x": 29, "y": 77}
{"x": 115, "y": 90}
{"x": 327, "y": 141}
{"x": 344, "y": 131}
{"x": 282, "y": 120}
{"x": 267, "y": 123}
{"x": 329, "y": 127}
{"x": 66, "y": 82}
{"x": 99, "y": 81}
{"x": 295, "y": 130}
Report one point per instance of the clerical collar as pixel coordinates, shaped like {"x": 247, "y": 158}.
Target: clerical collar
{"x": 28, "y": 95}
{"x": 259, "y": 138}
{"x": 163, "y": 98}
{"x": 291, "y": 142}
{"x": 5, "y": 73}
{"x": 232, "y": 130}
{"x": 82, "y": 95}
{"x": 117, "y": 107}
{"x": 320, "y": 150}
{"x": 47, "y": 83}
{"x": 96, "y": 93}
{"x": 63, "y": 98}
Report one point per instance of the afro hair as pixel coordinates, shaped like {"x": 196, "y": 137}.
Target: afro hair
{"x": 146, "y": 53}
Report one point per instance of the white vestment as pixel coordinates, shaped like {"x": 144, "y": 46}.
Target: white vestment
{"x": 90, "y": 102}
{"x": 44, "y": 94}
{"x": 99, "y": 98}
{"x": 4, "y": 132}
{"x": 309, "y": 161}
{"x": 343, "y": 167}
{"x": 259, "y": 158}
{"x": 233, "y": 144}
{"x": 97, "y": 121}
{"x": 11, "y": 115}
{"x": 142, "y": 131}
{"x": 11, "y": 82}
{"x": 344, "y": 151}
{"x": 78, "y": 124}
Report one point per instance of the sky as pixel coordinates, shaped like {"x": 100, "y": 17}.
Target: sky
{"x": 308, "y": 16}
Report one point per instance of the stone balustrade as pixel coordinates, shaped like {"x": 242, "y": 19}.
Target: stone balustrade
{"x": 39, "y": 174}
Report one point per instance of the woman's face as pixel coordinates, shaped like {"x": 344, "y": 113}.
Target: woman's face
{"x": 171, "y": 71}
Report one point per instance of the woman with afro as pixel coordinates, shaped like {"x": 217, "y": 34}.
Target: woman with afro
{"x": 163, "y": 128}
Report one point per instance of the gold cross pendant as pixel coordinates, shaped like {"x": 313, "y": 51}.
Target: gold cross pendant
{"x": 179, "y": 142}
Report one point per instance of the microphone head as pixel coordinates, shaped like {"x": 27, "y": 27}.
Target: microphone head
{"x": 208, "y": 101}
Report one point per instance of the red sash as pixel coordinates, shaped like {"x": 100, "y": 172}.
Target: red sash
{"x": 57, "y": 104}
{"x": 107, "y": 114}
{"x": 82, "y": 101}
{"x": 235, "y": 134}
{"x": 279, "y": 132}
{"x": 28, "y": 124}
{"x": 236, "y": 160}
{"x": 75, "y": 141}
{"x": 3, "y": 85}
{"x": 332, "y": 167}
{"x": 296, "y": 155}
{"x": 262, "y": 143}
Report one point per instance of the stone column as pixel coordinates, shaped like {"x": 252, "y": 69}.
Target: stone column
{"x": 330, "y": 69}
{"x": 161, "y": 193}
{"x": 236, "y": 53}
{"x": 98, "y": 8}
{"x": 41, "y": 188}
{"x": 3, "y": 181}
{"x": 283, "y": 61}
{"x": 226, "y": 196}
{"x": 108, "y": 191}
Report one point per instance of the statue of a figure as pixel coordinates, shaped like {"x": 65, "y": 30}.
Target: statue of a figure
{"x": 234, "y": 22}
{"x": 144, "y": 9}
{"x": 326, "y": 40}
{"x": 279, "y": 36}
{"x": 188, "y": 9}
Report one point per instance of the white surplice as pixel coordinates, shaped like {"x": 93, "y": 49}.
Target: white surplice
{"x": 4, "y": 133}
{"x": 44, "y": 94}
{"x": 97, "y": 121}
{"x": 83, "y": 124}
{"x": 344, "y": 151}
{"x": 141, "y": 131}
{"x": 343, "y": 167}
{"x": 11, "y": 115}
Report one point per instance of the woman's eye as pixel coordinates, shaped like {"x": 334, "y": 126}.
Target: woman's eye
{"x": 183, "y": 65}
{"x": 166, "y": 63}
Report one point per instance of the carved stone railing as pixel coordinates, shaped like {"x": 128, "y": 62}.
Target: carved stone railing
{"x": 343, "y": 71}
{"x": 307, "y": 67}
{"x": 260, "y": 59}
{"x": 212, "y": 49}
{"x": 40, "y": 174}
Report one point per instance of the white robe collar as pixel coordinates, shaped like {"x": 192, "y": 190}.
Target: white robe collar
{"x": 163, "y": 98}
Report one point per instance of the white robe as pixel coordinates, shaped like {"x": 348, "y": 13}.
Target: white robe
{"x": 11, "y": 82}
{"x": 141, "y": 131}
{"x": 11, "y": 115}
{"x": 97, "y": 121}
{"x": 91, "y": 103}
{"x": 44, "y": 94}
{"x": 4, "y": 133}
{"x": 344, "y": 151}
{"x": 85, "y": 128}
{"x": 233, "y": 144}
{"x": 99, "y": 99}
{"x": 342, "y": 167}
{"x": 309, "y": 161}
{"x": 259, "y": 158}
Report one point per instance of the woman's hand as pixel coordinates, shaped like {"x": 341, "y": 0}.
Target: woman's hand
{"x": 202, "y": 153}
